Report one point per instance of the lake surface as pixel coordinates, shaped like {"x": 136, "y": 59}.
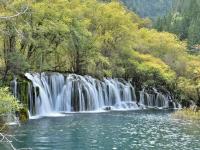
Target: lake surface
{"x": 133, "y": 130}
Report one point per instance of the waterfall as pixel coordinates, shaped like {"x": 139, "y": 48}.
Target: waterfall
{"x": 55, "y": 92}
{"x": 154, "y": 100}
{"x": 14, "y": 86}
{"x": 50, "y": 93}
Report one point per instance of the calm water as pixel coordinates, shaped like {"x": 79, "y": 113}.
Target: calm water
{"x": 137, "y": 130}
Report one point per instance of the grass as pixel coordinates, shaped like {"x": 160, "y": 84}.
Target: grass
{"x": 187, "y": 114}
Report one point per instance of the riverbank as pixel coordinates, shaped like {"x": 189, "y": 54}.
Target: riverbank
{"x": 187, "y": 114}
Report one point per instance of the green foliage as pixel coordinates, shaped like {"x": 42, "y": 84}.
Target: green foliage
{"x": 149, "y": 71}
{"x": 8, "y": 103}
{"x": 18, "y": 64}
{"x": 183, "y": 20}
{"x": 97, "y": 38}
{"x": 163, "y": 45}
{"x": 149, "y": 8}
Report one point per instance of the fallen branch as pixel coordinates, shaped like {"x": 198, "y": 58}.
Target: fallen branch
{"x": 4, "y": 138}
{"x": 7, "y": 138}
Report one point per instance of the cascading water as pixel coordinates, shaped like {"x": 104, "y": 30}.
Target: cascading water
{"x": 14, "y": 86}
{"x": 59, "y": 93}
{"x": 156, "y": 100}
{"x": 55, "y": 93}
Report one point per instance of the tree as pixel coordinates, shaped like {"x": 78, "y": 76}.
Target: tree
{"x": 13, "y": 60}
{"x": 193, "y": 32}
{"x": 183, "y": 21}
{"x": 8, "y": 104}
{"x": 102, "y": 39}
{"x": 147, "y": 8}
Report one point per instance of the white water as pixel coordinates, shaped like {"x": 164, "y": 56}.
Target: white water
{"x": 156, "y": 100}
{"x": 14, "y": 86}
{"x": 55, "y": 93}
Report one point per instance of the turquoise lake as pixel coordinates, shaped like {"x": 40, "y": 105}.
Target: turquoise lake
{"x": 126, "y": 130}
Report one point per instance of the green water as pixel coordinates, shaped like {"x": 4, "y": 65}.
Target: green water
{"x": 136, "y": 130}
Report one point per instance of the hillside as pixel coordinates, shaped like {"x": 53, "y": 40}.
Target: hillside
{"x": 149, "y": 8}
{"x": 184, "y": 21}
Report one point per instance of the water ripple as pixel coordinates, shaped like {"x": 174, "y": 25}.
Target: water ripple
{"x": 146, "y": 130}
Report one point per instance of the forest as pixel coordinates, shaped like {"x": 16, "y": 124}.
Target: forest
{"x": 126, "y": 47}
{"x": 150, "y": 8}
{"x": 102, "y": 39}
{"x": 183, "y": 21}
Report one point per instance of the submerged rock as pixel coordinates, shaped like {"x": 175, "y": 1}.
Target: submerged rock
{"x": 107, "y": 108}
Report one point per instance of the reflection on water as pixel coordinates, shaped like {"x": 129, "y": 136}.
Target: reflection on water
{"x": 114, "y": 130}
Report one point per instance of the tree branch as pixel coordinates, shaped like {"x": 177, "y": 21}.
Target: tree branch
{"x": 13, "y": 16}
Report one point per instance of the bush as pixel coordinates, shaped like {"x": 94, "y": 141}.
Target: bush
{"x": 8, "y": 103}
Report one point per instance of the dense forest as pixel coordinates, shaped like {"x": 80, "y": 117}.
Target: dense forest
{"x": 150, "y": 8}
{"x": 184, "y": 21}
{"x": 102, "y": 39}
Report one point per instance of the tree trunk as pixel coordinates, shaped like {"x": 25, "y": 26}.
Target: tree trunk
{"x": 198, "y": 95}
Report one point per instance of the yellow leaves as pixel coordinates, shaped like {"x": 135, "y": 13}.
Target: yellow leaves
{"x": 165, "y": 46}
{"x": 150, "y": 64}
{"x": 103, "y": 60}
{"x": 188, "y": 88}
{"x": 160, "y": 42}
{"x": 107, "y": 73}
{"x": 187, "y": 114}
{"x": 192, "y": 70}
{"x": 105, "y": 34}
{"x": 114, "y": 16}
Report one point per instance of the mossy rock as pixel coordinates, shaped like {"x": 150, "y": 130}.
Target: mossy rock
{"x": 2, "y": 122}
{"x": 23, "y": 115}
